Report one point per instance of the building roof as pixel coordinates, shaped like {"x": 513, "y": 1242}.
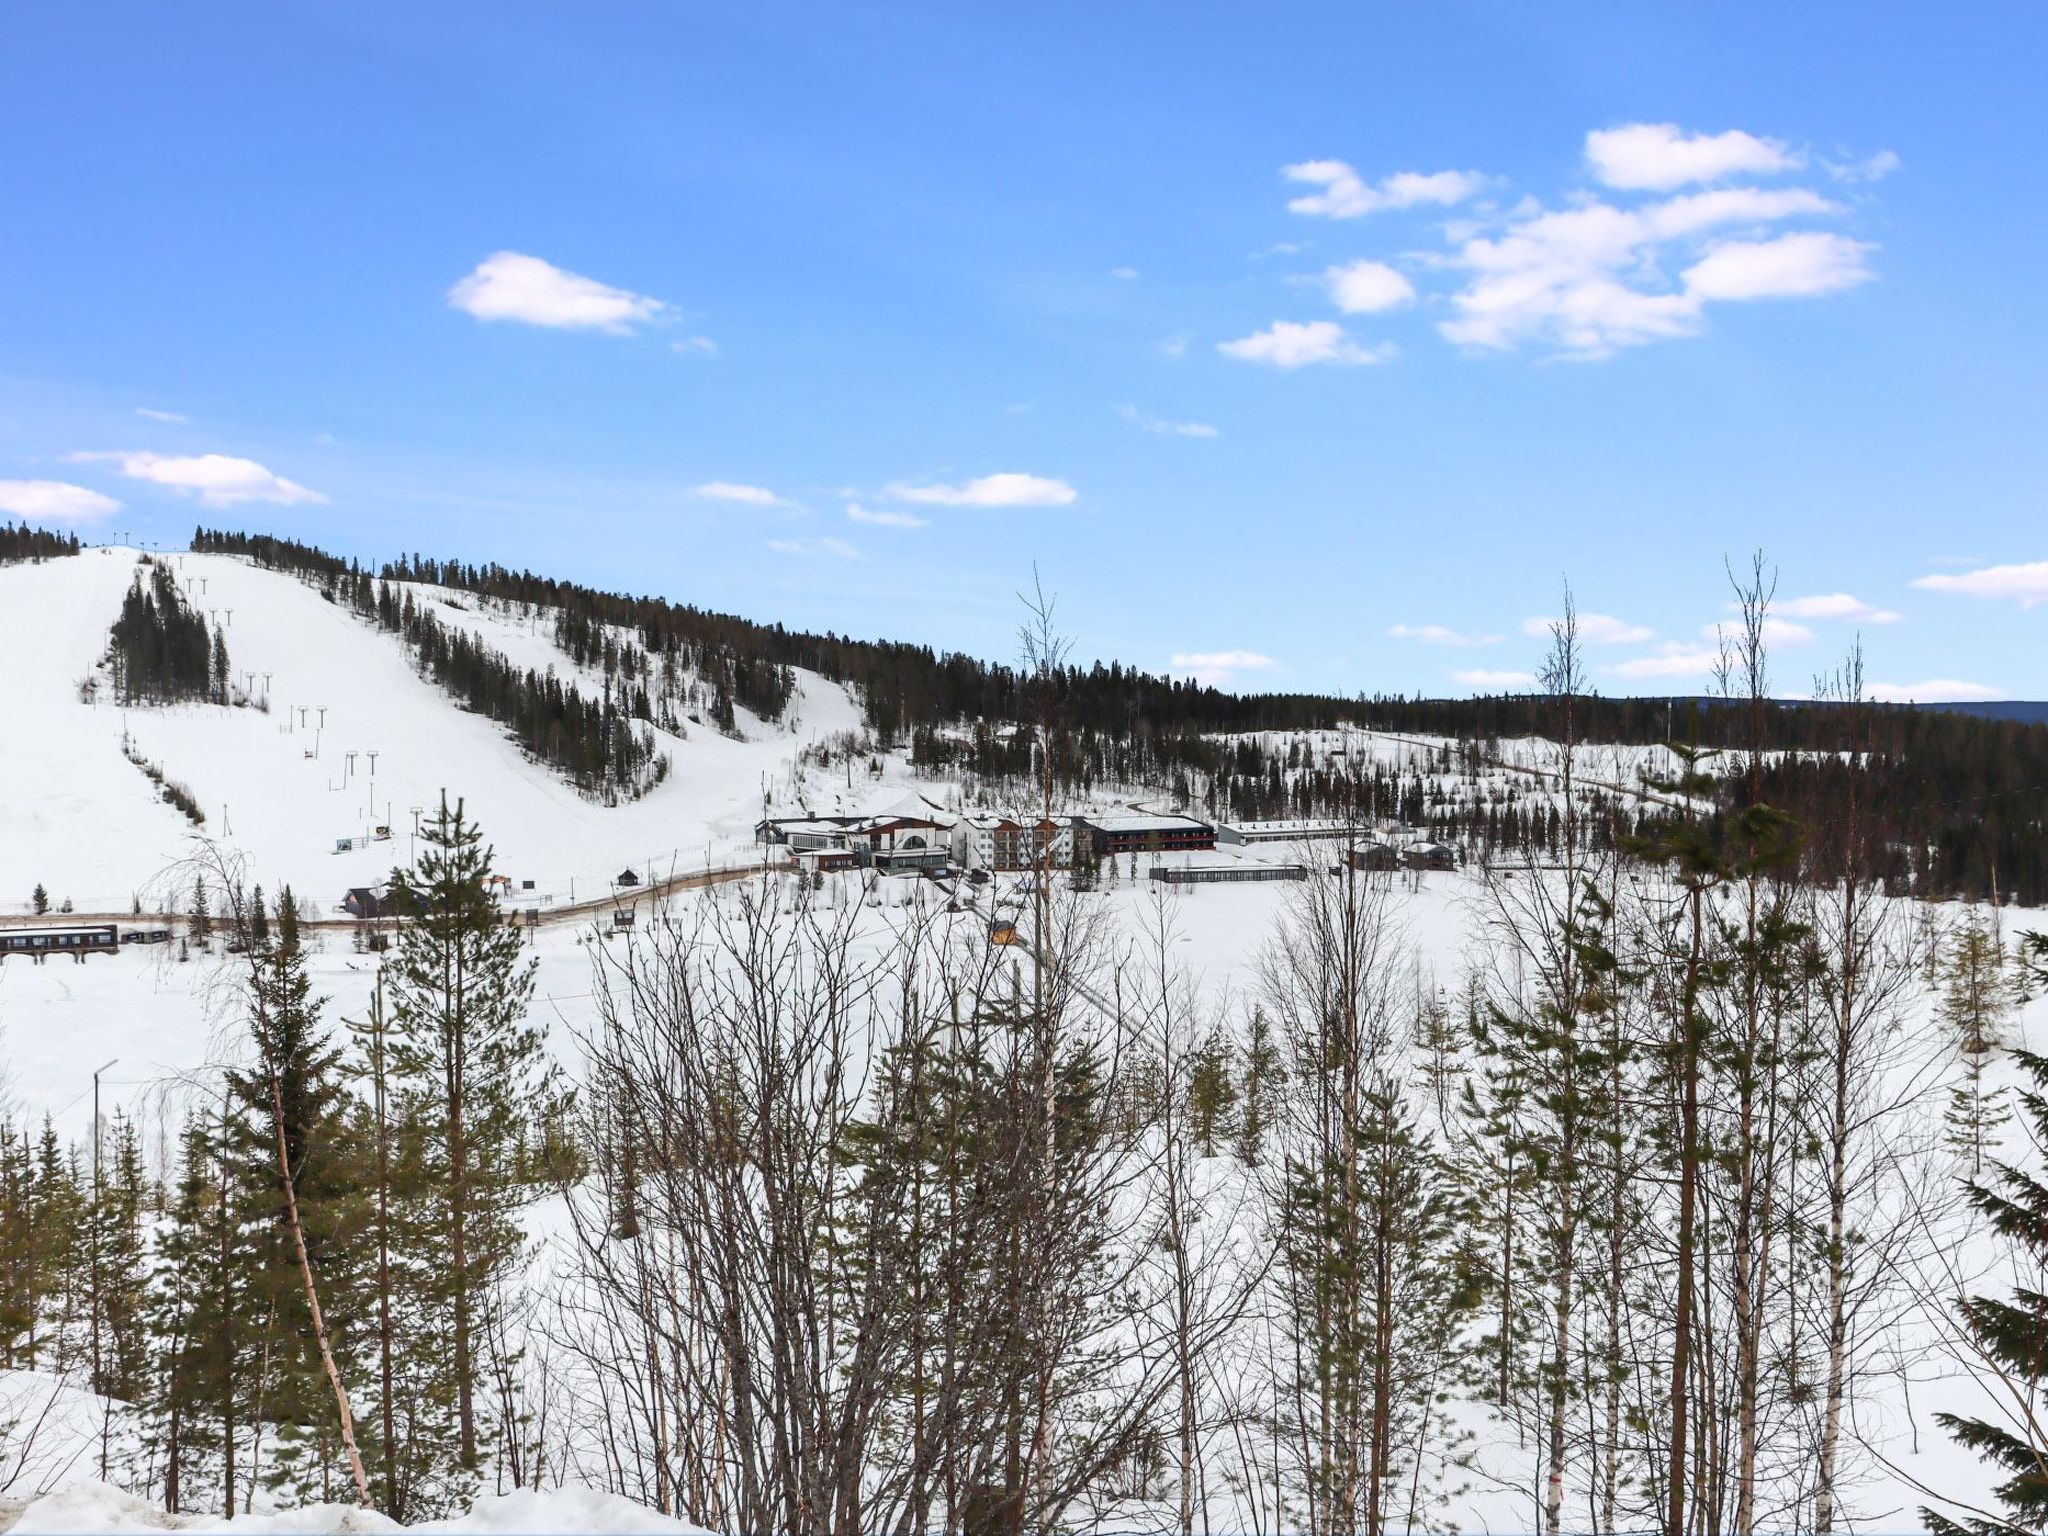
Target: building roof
{"x": 1134, "y": 822}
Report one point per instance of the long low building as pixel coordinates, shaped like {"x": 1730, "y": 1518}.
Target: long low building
{"x": 1121, "y": 832}
{"x": 1245, "y": 871}
{"x": 1297, "y": 831}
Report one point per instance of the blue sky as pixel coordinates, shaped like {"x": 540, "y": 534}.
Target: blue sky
{"x": 1297, "y": 346}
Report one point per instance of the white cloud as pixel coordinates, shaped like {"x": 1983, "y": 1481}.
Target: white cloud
{"x": 1295, "y": 344}
{"x": 838, "y": 549}
{"x": 217, "y": 479}
{"x": 1165, "y": 427}
{"x": 54, "y": 501}
{"x": 1345, "y": 195}
{"x": 1218, "y": 669}
{"x": 1672, "y": 659}
{"x": 1835, "y": 605}
{"x": 1655, "y": 157}
{"x": 884, "y": 519}
{"x": 1935, "y": 690}
{"x": 1439, "y": 634}
{"x": 2027, "y": 582}
{"x": 1594, "y": 629}
{"x": 1368, "y": 287}
{"x": 1123, "y": 274}
{"x": 512, "y": 286}
{"x": 150, "y": 413}
{"x": 1794, "y": 266}
{"x": 1776, "y": 632}
{"x": 1595, "y": 277}
{"x": 1001, "y": 490}
{"x": 1173, "y": 346}
{"x": 1481, "y": 677}
{"x": 745, "y": 495}
{"x": 695, "y": 346}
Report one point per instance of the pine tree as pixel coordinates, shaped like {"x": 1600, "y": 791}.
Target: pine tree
{"x": 39, "y": 899}
{"x": 1265, "y": 1079}
{"x": 1212, "y": 1092}
{"x": 192, "y": 1298}
{"x": 2010, "y": 1336}
{"x": 117, "y": 1220}
{"x": 409, "y": 1440}
{"x": 1978, "y": 995}
{"x": 475, "y": 1075}
{"x": 199, "y": 919}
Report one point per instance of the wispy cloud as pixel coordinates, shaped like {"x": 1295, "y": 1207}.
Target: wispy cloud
{"x": 215, "y": 479}
{"x": 884, "y": 518}
{"x": 2027, "y": 582}
{"x": 1776, "y": 631}
{"x": 1298, "y": 344}
{"x": 1935, "y": 690}
{"x": 1165, "y": 427}
{"x": 1674, "y": 658}
{"x": 1439, "y": 634}
{"x": 1219, "y": 669}
{"x": 1009, "y": 489}
{"x": 1495, "y": 681}
{"x": 1124, "y": 274}
{"x": 1655, "y": 157}
{"x": 695, "y": 346}
{"x": 151, "y": 413}
{"x": 744, "y": 495}
{"x": 526, "y": 289}
{"x": 1345, "y": 194}
{"x": 54, "y": 501}
{"x": 1594, "y": 629}
{"x": 1864, "y": 171}
{"x": 1835, "y": 605}
{"x": 837, "y": 549}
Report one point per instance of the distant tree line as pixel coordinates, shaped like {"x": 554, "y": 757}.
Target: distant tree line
{"x": 18, "y": 541}
{"x": 163, "y": 652}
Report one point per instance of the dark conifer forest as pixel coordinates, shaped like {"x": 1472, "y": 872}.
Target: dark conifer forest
{"x": 18, "y": 541}
{"x": 162, "y": 651}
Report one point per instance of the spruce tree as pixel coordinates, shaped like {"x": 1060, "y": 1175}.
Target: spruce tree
{"x": 190, "y": 1300}
{"x": 294, "y": 1156}
{"x": 2010, "y": 1334}
{"x": 474, "y": 1074}
{"x": 1978, "y": 994}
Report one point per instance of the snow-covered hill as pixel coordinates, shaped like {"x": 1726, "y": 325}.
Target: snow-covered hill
{"x": 283, "y": 788}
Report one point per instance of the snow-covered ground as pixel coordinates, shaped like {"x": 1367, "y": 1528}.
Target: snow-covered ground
{"x": 280, "y": 789}
{"x": 284, "y": 787}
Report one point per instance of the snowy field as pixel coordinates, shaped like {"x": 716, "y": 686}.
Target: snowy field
{"x": 154, "y": 1017}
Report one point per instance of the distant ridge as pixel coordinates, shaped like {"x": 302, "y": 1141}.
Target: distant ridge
{"x": 2023, "y": 711}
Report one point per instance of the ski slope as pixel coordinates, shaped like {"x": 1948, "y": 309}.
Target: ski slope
{"x": 282, "y": 788}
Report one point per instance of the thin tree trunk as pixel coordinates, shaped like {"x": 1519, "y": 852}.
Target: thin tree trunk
{"x": 291, "y": 1205}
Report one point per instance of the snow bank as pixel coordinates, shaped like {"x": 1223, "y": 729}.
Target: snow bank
{"x": 97, "y": 1507}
